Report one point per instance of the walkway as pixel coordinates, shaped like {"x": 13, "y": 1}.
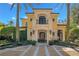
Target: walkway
{"x": 39, "y": 50}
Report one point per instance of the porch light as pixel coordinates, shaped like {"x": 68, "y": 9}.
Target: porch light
{"x": 33, "y": 31}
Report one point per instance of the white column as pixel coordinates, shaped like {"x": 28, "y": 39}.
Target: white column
{"x": 28, "y": 35}
{"x": 47, "y": 37}
{"x": 63, "y": 36}
{"x": 36, "y": 35}
{"x": 56, "y": 35}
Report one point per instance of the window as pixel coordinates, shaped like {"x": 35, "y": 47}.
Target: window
{"x": 53, "y": 20}
{"x": 42, "y": 20}
{"x": 31, "y": 19}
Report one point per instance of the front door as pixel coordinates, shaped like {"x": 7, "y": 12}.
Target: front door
{"x": 42, "y": 37}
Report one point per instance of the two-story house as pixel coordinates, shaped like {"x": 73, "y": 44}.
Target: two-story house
{"x": 42, "y": 25}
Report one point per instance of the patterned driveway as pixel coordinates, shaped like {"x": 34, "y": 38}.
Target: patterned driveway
{"x": 39, "y": 50}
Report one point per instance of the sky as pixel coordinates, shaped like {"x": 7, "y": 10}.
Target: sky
{"x": 7, "y": 14}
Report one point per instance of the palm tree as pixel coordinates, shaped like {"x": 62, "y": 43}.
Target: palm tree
{"x": 68, "y": 20}
{"x": 17, "y": 20}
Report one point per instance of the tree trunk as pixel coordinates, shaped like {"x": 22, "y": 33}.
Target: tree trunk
{"x": 17, "y": 23}
{"x": 68, "y": 20}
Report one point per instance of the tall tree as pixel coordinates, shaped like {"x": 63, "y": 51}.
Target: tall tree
{"x": 75, "y": 13}
{"x": 17, "y": 20}
{"x": 68, "y": 20}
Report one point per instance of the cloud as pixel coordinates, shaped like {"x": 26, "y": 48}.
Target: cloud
{"x": 13, "y": 18}
{"x": 24, "y": 17}
{"x": 10, "y": 3}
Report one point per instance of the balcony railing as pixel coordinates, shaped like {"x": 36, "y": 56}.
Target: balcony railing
{"x": 38, "y": 22}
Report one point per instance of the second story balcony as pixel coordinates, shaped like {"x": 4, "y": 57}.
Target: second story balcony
{"x": 42, "y": 22}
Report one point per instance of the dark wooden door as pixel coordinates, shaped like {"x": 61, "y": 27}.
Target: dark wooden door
{"x": 42, "y": 35}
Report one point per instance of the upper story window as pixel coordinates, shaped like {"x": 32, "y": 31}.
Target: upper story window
{"x": 30, "y": 19}
{"x": 42, "y": 20}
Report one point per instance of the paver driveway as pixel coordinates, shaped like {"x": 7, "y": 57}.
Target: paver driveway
{"x": 39, "y": 50}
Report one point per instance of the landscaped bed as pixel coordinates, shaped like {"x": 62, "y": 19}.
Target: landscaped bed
{"x": 5, "y": 44}
{"x": 61, "y": 43}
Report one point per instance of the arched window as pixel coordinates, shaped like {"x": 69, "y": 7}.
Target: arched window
{"x": 42, "y": 20}
{"x": 60, "y": 34}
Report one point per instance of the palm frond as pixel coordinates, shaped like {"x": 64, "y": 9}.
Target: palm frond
{"x": 25, "y": 6}
{"x": 61, "y": 6}
{"x": 12, "y": 6}
{"x": 30, "y": 4}
{"x": 56, "y": 6}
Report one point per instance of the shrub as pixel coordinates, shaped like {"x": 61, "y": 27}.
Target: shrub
{"x": 8, "y": 32}
{"x": 28, "y": 42}
{"x": 51, "y": 42}
{"x": 4, "y": 42}
{"x": 33, "y": 42}
{"x": 58, "y": 42}
{"x": 41, "y": 41}
{"x": 74, "y": 35}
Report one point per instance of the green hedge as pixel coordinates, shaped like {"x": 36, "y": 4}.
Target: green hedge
{"x": 74, "y": 35}
{"x": 42, "y": 41}
{"x": 27, "y": 42}
{"x": 32, "y": 42}
{"x": 5, "y": 44}
{"x": 23, "y": 35}
{"x": 61, "y": 43}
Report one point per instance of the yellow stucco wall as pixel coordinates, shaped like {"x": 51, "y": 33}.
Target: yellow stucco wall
{"x": 54, "y": 24}
{"x": 24, "y": 22}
